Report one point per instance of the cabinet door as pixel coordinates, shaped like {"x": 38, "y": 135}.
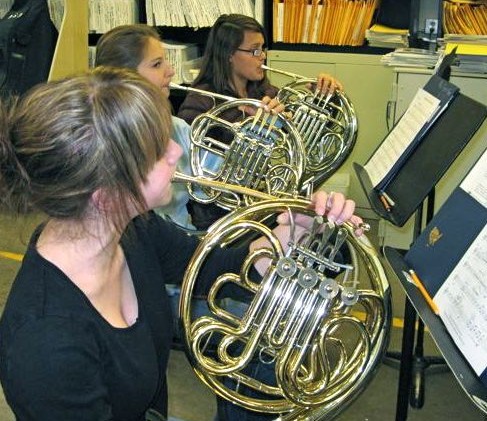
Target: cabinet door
{"x": 367, "y": 83}
{"x": 474, "y": 87}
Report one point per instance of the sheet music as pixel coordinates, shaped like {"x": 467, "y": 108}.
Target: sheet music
{"x": 475, "y": 183}
{"x": 421, "y": 110}
{"x": 462, "y": 301}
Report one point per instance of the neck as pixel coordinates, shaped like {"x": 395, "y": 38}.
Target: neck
{"x": 240, "y": 85}
{"x": 77, "y": 247}
{"x": 92, "y": 258}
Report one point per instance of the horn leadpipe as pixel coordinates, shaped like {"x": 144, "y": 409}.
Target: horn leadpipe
{"x": 220, "y": 186}
{"x": 234, "y": 188}
{"x": 201, "y": 92}
{"x": 283, "y": 72}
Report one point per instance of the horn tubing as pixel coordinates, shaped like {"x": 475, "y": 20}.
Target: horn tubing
{"x": 201, "y": 92}
{"x": 234, "y": 188}
{"x": 220, "y": 186}
{"x": 282, "y": 72}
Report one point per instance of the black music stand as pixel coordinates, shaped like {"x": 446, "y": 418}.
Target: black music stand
{"x": 408, "y": 183}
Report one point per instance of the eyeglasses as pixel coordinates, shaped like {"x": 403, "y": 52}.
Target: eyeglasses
{"x": 256, "y": 52}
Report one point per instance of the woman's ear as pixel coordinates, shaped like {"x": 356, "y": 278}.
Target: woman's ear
{"x": 101, "y": 200}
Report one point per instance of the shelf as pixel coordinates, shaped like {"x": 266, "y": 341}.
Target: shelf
{"x": 364, "y": 49}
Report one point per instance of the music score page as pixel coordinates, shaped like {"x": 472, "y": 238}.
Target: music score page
{"x": 462, "y": 299}
{"x": 421, "y": 110}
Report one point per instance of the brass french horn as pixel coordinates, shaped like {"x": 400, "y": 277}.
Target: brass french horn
{"x": 327, "y": 124}
{"x": 263, "y": 152}
{"x": 310, "y": 332}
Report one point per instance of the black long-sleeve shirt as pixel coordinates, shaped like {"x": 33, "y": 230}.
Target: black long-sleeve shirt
{"x": 61, "y": 360}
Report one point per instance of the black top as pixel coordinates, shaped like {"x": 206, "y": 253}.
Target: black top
{"x": 61, "y": 360}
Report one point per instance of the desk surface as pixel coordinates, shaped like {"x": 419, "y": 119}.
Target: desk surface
{"x": 465, "y": 375}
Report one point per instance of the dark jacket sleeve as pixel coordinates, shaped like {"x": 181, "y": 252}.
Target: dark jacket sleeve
{"x": 195, "y": 104}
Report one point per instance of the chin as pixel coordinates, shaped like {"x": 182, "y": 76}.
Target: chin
{"x": 165, "y": 91}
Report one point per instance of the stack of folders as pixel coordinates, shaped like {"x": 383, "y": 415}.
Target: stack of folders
{"x": 465, "y": 17}
{"x": 411, "y": 57}
{"x": 384, "y": 36}
{"x": 471, "y": 57}
{"x": 331, "y": 22}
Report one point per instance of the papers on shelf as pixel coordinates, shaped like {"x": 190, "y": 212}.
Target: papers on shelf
{"x": 384, "y": 36}
{"x": 181, "y": 55}
{"x": 334, "y": 22}
{"x": 194, "y": 13}
{"x": 465, "y": 17}
{"x": 411, "y": 57}
{"x": 106, "y": 14}
{"x": 470, "y": 57}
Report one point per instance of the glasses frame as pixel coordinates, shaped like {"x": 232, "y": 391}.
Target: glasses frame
{"x": 256, "y": 52}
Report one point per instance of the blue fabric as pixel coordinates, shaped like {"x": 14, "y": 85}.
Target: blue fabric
{"x": 176, "y": 211}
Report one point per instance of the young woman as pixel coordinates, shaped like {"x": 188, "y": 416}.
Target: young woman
{"x": 138, "y": 47}
{"x": 86, "y": 329}
{"x": 232, "y": 66}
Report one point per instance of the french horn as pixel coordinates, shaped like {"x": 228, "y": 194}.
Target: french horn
{"x": 327, "y": 124}
{"x": 308, "y": 334}
{"x": 263, "y": 151}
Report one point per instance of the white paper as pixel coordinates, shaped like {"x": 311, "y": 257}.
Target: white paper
{"x": 419, "y": 112}
{"x": 462, "y": 302}
{"x": 475, "y": 183}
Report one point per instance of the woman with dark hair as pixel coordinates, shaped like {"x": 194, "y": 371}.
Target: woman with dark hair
{"x": 232, "y": 66}
{"x": 86, "y": 330}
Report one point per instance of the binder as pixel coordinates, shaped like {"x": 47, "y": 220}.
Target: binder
{"x": 427, "y": 157}
{"x": 450, "y": 259}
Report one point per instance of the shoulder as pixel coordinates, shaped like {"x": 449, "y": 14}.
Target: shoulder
{"x": 181, "y": 132}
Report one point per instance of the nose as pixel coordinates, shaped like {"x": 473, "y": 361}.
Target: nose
{"x": 169, "y": 70}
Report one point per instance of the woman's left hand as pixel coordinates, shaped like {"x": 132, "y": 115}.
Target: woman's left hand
{"x": 326, "y": 83}
{"x": 333, "y": 205}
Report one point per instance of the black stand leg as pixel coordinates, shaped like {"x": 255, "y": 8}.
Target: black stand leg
{"x": 406, "y": 366}
{"x": 416, "y": 398}
{"x": 412, "y": 369}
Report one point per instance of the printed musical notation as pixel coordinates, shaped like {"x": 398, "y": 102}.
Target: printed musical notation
{"x": 463, "y": 308}
{"x": 421, "y": 110}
